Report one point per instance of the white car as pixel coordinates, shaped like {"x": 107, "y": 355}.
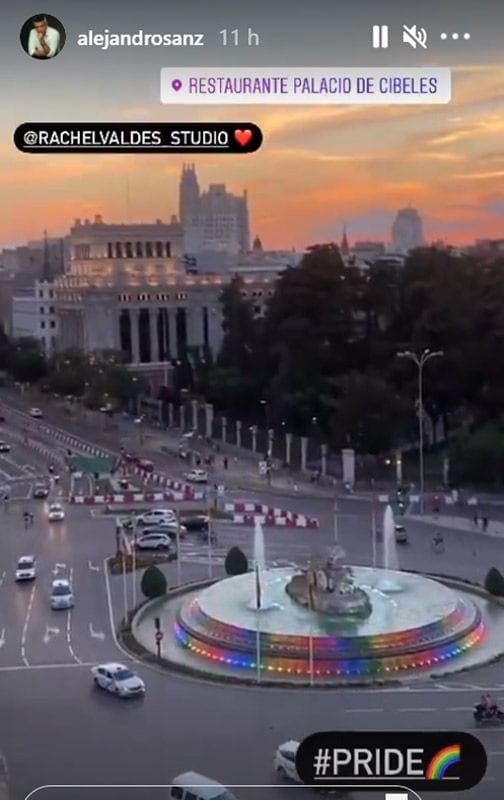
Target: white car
{"x": 118, "y": 679}
{"x": 284, "y": 762}
{"x": 5, "y": 447}
{"x": 196, "y": 476}
{"x": 36, "y": 413}
{"x": 61, "y": 594}
{"x": 154, "y": 541}
{"x": 169, "y": 528}
{"x": 156, "y": 515}
{"x": 56, "y": 513}
{"x": 25, "y": 570}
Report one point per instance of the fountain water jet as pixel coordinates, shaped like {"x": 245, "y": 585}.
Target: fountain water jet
{"x": 259, "y": 601}
{"x": 390, "y": 556}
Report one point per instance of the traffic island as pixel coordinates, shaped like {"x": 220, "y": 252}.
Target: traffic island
{"x": 196, "y": 641}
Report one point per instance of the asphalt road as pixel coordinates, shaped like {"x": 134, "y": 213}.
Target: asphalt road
{"x": 56, "y": 728}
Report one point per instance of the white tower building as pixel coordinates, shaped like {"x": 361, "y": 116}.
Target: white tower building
{"x": 212, "y": 221}
{"x": 407, "y": 230}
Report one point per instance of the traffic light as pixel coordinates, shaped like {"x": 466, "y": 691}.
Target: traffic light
{"x": 157, "y": 623}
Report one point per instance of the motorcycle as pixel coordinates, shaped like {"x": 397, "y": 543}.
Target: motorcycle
{"x": 484, "y": 717}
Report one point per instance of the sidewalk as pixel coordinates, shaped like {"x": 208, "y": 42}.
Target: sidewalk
{"x": 495, "y": 528}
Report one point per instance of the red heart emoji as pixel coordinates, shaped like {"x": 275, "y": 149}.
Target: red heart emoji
{"x": 243, "y": 137}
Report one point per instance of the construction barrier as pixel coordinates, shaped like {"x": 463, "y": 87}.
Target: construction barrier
{"x": 294, "y": 521}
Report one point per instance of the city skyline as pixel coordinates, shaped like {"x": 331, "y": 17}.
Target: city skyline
{"x": 319, "y": 166}
{"x": 446, "y": 161}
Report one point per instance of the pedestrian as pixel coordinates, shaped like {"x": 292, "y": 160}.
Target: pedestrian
{"x": 225, "y": 462}
{"x": 32, "y": 519}
{"x": 475, "y": 520}
{"x": 198, "y": 461}
{"x": 484, "y": 523}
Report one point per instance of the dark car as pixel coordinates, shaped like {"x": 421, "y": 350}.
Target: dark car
{"x": 40, "y": 491}
{"x": 5, "y": 447}
{"x": 195, "y": 522}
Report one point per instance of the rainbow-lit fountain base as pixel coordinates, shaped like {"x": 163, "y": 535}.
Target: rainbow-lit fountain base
{"x": 424, "y": 625}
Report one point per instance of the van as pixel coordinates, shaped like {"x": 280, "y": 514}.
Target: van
{"x": 193, "y": 786}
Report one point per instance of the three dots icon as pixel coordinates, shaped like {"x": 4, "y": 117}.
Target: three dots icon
{"x": 455, "y": 36}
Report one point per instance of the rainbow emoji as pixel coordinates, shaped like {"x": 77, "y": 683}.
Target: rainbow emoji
{"x": 442, "y": 762}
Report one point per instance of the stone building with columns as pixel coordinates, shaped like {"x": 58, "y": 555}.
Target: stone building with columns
{"x": 127, "y": 290}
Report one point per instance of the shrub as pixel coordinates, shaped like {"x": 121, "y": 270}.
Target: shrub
{"x": 236, "y": 562}
{"x": 153, "y": 583}
{"x": 494, "y": 582}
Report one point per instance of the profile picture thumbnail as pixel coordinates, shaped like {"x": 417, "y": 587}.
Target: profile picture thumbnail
{"x": 42, "y": 37}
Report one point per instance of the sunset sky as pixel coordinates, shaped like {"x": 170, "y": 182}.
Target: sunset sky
{"x": 318, "y": 168}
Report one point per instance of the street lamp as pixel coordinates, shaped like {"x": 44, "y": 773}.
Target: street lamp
{"x": 420, "y": 361}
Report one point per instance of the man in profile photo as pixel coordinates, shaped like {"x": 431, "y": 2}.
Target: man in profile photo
{"x": 43, "y": 42}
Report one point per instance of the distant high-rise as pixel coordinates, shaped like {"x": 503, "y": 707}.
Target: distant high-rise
{"x": 407, "y": 230}
{"x": 215, "y": 220}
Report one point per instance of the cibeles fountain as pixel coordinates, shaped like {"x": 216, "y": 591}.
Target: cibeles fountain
{"x": 327, "y": 622}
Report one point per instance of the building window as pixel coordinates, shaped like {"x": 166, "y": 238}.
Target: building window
{"x": 52, "y": 324}
{"x": 41, "y": 294}
{"x": 118, "y": 250}
{"x": 42, "y": 324}
{"x": 257, "y": 309}
{"x": 42, "y": 309}
{"x": 51, "y": 309}
{"x": 51, "y": 294}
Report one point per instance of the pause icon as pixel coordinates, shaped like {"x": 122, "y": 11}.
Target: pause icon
{"x": 380, "y": 36}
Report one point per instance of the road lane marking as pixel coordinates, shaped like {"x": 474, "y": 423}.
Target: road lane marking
{"x": 2, "y": 577}
{"x": 413, "y": 709}
{"x": 25, "y": 628}
{"x": 69, "y": 626}
{"x": 364, "y": 710}
{"x": 92, "y": 567}
{"x": 58, "y": 567}
{"x": 96, "y": 634}
{"x": 67, "y": 665}
{"x": 50, "y": 634}
{"x": 2, "y": 637}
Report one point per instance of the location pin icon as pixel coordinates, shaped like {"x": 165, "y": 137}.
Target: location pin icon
{"x": 176, "y": 85}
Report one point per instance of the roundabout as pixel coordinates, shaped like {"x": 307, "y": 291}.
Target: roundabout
{"x": 325, "y": 623}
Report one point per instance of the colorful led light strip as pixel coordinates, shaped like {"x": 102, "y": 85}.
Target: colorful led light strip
{"x": 355, "y": 667}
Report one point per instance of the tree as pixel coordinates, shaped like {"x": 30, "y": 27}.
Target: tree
{"x": 153, "y": 583}
{"x": 236, "y": 562}
{"x": 494, "y": 582}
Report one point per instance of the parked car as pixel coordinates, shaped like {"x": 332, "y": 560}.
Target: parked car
{"x": 118, "y": 679}
{"x": 36, "y": 413}
{"x": 154, "y": 541}
{"x": 156, "y": 515}
{"x": 40, "y": 491}
{"x": 284, "y": 762}
{"x": 169, "y": 528}
{"x": 61, "y": 594}
{"x": 26, "y": 570}
{"x": 56, "y": 512}
{"x": 196, "y": 476}
{"x": 196, "y": 522}
{"x": 5, "y": 447}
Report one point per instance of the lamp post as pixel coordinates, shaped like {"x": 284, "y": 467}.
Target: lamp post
{"x": 264, "y": 404}
{"x": 420, "y": 361}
